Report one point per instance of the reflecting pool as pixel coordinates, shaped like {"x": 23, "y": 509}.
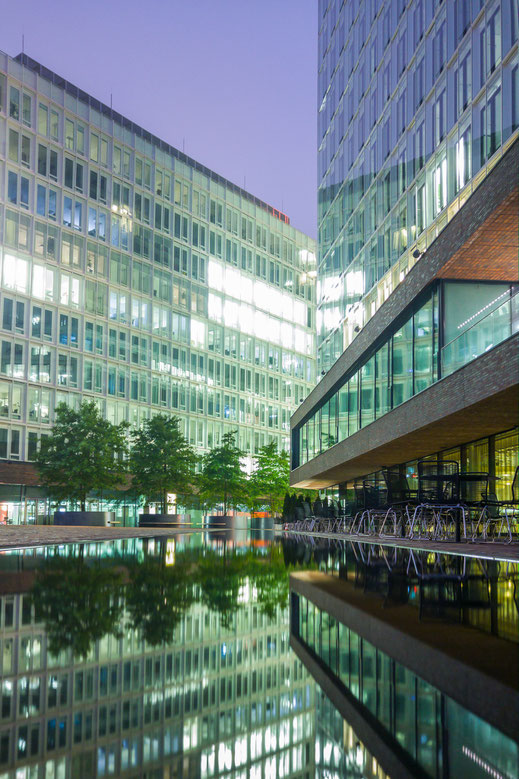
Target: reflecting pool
{"x": 254, "y": 655}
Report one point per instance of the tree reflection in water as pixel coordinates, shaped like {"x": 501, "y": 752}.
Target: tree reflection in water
{"x": 79, "y": 602}
{"x": 157, "y": 597}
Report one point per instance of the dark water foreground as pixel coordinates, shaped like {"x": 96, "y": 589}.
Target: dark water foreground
{"x": 211, "y": 655}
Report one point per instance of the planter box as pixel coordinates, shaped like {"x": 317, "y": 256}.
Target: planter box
{"x": 164, "y": 520}
{"x": 218, "y": 521}
{"x": 262, "y": 523}
{"x": 84, "y": 518}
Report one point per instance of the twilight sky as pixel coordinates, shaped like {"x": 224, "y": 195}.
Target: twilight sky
{"x": 233, "y": 82}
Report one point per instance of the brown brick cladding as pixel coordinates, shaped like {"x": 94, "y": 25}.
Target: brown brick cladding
{"x": 19, "y": 473}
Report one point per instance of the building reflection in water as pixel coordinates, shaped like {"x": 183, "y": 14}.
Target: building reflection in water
{"x": 419, "y": 654}
{"x": 212, "y": 690}
{"x": 338, "y": 750}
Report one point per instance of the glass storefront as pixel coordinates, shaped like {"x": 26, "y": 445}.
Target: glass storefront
{"x": 506, "y": 461}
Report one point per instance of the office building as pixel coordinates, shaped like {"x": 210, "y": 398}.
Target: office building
{"x": 417, "y": 262}
{"x": 133, "y": 275}
{"x": 417, "y": 101}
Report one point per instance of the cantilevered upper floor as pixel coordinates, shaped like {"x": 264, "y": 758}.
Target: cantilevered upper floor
{"x": 437, "y": 364}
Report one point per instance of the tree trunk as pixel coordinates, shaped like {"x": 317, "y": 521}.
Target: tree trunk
{"x": 83, "y": 502}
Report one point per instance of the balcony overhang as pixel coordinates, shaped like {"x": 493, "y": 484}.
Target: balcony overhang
{"x": 478, "y": 400}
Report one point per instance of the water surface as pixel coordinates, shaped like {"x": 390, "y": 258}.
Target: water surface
{"x": 212, "y": 654}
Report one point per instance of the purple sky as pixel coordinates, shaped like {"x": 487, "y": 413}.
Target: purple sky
{"x": 231, "y": 81}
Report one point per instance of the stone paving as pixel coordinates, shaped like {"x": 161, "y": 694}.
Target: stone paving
{"x": 13, "y": 536}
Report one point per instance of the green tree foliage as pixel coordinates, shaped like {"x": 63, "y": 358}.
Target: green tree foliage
{"x": 157, "y": 598}
{"x": 78, "y": 602}
{"x": 83, "y": 452}
{"x": 270, "y": 577}
{"x": 220, "y": 579}
{"x": 269, "y": 481}
{"x": 161, "y": 460}
{"x": 222, "y": 480}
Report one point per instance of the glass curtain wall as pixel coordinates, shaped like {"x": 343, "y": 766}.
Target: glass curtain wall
{"x": 416, "y": 101}
{"x": 473, "y": 317}
{"x": 134, "y": 276}
{"x": 401, "y": 367}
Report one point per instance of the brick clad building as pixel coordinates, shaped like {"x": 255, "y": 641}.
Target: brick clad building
{"x": 436, "y": 369}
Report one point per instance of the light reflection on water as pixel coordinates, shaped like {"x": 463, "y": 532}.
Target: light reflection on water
{"x": 153, "y": 657}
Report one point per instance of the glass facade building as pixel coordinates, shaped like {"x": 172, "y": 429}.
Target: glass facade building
{"x": 417, "y": 312}
{"x": 417, "y": 101}
{"x": 131, "y": 274}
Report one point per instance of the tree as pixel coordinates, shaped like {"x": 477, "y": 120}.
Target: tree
{"x": 222, "y": 480}
{"x": 269, "y": 482}
{"x": 78, "y": 602}
{"x": 161, "y": 460}
{"x": 83, "y": 452}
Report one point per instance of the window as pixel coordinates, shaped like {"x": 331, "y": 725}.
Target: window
{"x": 440, "y": 117}
{"x": 67, "y": 370}
{"x": 40, "y": 364}
{"x": 439, "y": 184}
{"x": 46, "y": 201}
{"x": 463, "y": 82}
{"x": 68, "y": 330}
{"x": 38, "y": 405}
{"x": 15, "y": 273}
{"x": 10, "y": 400}
{"x": 18, "y": 189}
{"x": 419, "y": 82}
{"x": 493, "y": 112}
{"x": 439, "y": 49}
{"x": 43, "y": 282}
{"x": 13, "y": 315}
{"x": 47, "y": 162}
{"x": 73, "y": 176}
{"x": 463, "y": 158}
{"x": 43, "y": 119}
{"x": 493, "y": 41}
{"x": 41, "y": 323}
